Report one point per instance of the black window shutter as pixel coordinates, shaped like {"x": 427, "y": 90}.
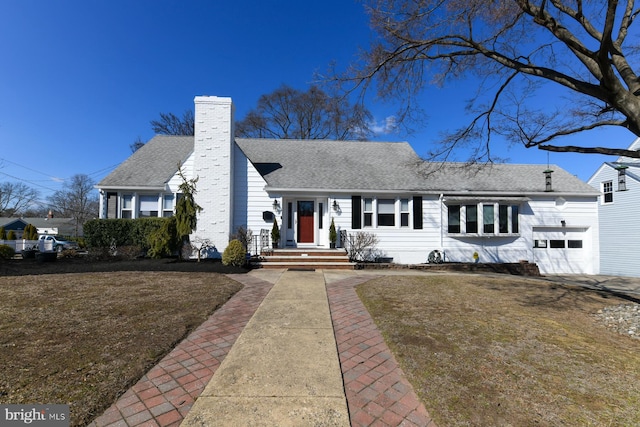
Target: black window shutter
{"x": 356, "y": 212}
{"x": 417, "y": 212}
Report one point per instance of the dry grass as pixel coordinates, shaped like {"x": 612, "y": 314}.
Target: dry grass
{"x": 83, "y": 339}
{"x": 507, "y": 351}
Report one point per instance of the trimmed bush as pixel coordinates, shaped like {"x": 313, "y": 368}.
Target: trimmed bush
{"x": 108, "y": 233}
{"x": 11, "y": 235}
{"x": 30, "y": 232}
{"x": 235, "y": 254}
{"x": 6, "y": 252}
{"x": 164, "y": 241}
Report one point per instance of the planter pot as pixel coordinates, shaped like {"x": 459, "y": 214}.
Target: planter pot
{"x": 28, "y": 254}
{"x": 332, "y": 245}
{"x": 46, "y": 256}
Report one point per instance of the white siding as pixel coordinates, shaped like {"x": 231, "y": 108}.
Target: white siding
{"x": 250, "y": 198}
{"x": 540, "y": 217}
{"x": 619, "y": 225}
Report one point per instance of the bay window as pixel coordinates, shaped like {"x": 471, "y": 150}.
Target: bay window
{"x": 465, "y": 219}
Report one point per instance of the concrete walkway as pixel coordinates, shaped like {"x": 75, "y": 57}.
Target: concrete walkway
{"x": 283, "y": 370}
{"x": 302, "y": 352}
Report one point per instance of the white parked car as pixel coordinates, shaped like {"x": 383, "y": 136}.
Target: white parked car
{"x": 55, "y": 243}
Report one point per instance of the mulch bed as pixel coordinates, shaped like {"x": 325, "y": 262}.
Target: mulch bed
{"x": 22, "y": 267}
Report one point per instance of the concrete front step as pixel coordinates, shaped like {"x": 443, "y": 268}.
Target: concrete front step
{"x": 305, "y": 258}
{"x": 306, "y": 265}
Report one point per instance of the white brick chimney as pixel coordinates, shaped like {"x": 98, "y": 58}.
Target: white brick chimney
{"x": 213, "y": 161}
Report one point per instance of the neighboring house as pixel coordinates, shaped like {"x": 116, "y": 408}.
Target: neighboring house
{"x": 619, "y": 185}
{"x": 50, "y": 225}
{"x": 506, "y": 213}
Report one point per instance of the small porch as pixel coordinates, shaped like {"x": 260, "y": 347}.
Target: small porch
{"x": 310, "y": 258}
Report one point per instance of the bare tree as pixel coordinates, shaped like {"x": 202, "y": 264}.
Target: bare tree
{"x": 16, "y": 198}
{"x": 170, "y": 124}
{"x": 288, "y": 113}
{"x": 78, "y": 200}
{"x": 514, "y": 48}
{"x": 136, "y": 145}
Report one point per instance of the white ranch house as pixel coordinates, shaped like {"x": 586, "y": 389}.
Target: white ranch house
{"x": 505, "y": 213}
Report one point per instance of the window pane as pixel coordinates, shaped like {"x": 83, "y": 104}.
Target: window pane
{"x": 368, "y": 219}
{"x": 472, "y": 218}
{"x": 454, "y": 219}
{"x": 404, "y": 205}
{"x": 386, "y": 220}
{"x": 368, "y": 205}
{"x": 540, "y": 244}
{"x": 503, "y": 219}
{"x": 126, "y": 201}
{"x": 556, "y": 244}
{"x": 487, "y": 218}
{"x": 574, "y": 244}
{"x": 167, "y": 202}
{"x": 404, "y": 219}
{"x": 386, "y": 206}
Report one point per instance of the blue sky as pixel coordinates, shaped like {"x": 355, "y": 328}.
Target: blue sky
{"x": 81, "y": 79}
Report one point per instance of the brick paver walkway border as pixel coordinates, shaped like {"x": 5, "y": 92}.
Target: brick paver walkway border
{"x": 377, "y": 391}
{"x": 166, "y": 393}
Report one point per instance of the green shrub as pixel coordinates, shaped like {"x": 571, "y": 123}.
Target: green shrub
{"x": 164, "y": 240}
{"x": 108, "y": 233}
{"x": 30, "y": 232}
{"x": 275, "y": 233}
{"x": 6, "y": 252}
{"x": 11, "y": 235}
{"x": 3, "y": 233}
{"x": 235, "y": 254}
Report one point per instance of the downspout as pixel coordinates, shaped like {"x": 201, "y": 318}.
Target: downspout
{"x": 441, "y": 198}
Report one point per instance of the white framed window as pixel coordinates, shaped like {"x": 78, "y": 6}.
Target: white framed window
{"x": 404, "y": 212}
{"x": 607, "y": 189}
{"x": 466, "y": 219}
{"x": 167, "y": 205}
{"x": 386, "y": 213}
{"x": 127, "y": 206}
{"x": 368, "y": 212}
{"x": 148, "y": 206}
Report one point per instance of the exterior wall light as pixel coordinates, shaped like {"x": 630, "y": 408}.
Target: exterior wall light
{"x": 276, "y": 205}
{"x": 336, "y": 206}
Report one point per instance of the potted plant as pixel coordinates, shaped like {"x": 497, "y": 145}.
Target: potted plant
{"x": 275, "y": 233}
{"x": 333, "y": 235}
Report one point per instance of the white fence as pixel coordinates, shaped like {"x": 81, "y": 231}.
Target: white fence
{"x": 20, "y": 245}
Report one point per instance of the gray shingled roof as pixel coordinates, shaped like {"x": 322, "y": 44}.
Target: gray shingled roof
{"x": 362, "y": 166}
{"x": 346, "y": 166}
{"x": 333, "y": 165}
{"x": 500, "y": 178}
{"x": 153, "y": 164}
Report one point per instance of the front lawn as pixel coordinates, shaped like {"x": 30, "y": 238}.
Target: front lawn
{"x": 82, "y": 339}
{"x": 487, "y": 351}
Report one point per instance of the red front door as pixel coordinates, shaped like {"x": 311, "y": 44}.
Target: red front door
{"x": 305, "y": 222}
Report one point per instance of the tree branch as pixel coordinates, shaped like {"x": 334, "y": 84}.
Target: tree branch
{"x": 591, "y": 150}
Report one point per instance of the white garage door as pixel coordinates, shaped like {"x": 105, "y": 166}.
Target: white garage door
{"x": 560, "y": 250}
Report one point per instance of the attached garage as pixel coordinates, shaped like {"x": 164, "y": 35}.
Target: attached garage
{"x": 562, "y": 250}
